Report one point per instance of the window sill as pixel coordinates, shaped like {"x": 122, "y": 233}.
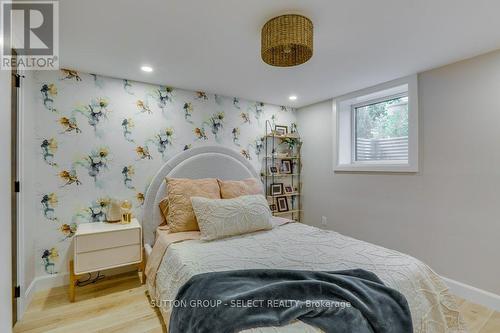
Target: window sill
{"x": 396, "y": 168}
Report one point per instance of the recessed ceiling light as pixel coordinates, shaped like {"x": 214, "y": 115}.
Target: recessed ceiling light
{"x": 147, "y": 69}
{"x": 292, "y": 98}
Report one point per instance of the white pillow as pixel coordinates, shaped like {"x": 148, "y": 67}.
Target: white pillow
{"x": 218, "y": 218}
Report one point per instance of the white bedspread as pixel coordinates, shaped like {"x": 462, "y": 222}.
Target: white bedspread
{"x": 298, "y": 246}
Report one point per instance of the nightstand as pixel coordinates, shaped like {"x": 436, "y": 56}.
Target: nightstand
{"x": 99, "y": 246}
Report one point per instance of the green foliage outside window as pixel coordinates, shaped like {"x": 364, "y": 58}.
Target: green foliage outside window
{"x": 387, "y": 119}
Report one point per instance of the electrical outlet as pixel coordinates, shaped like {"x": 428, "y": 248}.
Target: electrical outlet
{"x": 324, "y": 220}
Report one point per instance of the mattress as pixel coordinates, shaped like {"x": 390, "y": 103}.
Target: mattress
{"x": 299, "y": 246}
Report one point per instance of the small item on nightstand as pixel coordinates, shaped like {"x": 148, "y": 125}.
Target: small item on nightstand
{"x": 113, "y": 213}
{"x": 126, "y": 212}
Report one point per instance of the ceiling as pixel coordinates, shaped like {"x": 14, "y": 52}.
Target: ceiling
{"x": 215, "y": 45}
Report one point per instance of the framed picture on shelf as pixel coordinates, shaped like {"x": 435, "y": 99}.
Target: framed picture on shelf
{"x": 282, "y": 204}
{"x": 273, "y": 207}
{"x": 281, "y": 130}
{"x": 277, "y": 189}
{"x": 286, "y": 166}
{"x": 288, "y": 189}
{"x": 273, "y": 170}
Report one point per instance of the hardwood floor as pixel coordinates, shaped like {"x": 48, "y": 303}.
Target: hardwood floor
{"x": 120, "y": 304}
{"x": 116, "y": 304}
{"x": 479, "y": 319}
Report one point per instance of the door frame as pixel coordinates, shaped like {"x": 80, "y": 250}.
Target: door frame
{"x": 14, "y": 153}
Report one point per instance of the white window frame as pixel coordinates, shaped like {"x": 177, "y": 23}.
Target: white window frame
{"x": 344, "y": 113}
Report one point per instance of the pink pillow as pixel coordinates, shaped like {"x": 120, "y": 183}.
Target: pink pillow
{"x": 180, "y": 214}
{"x": 230, "y": 189}
{"x": 164, "y": 211}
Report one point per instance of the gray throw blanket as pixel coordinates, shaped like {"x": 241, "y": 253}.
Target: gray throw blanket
{"x": 342, "y": 301}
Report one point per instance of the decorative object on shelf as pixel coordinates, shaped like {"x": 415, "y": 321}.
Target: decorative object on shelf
{"x": 282, "y": 203}
{"x": 281, "y": 130}
{"x": 287, "y": 40}
{"x": 293, "y": 128}
{"x": 113, "y": 213}
{"x": 273, "y": 207}
{"x": 273, "y": 170}
{"x": 292, "y": 142}
{"x": 277, "y": 189}
{"x": 288, "y": 189}
{"x": 286, "y": 166}
{"x": 126, "y": 211}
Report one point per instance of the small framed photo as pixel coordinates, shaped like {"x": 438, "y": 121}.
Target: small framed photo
{"x": 288, "y": 189}
{"x": 273, "y": 207}
{"x": 277, "y": 189}
{"x": 273, "y": 170}
{"x": 281, "y": 130}
{"x": 282, "y": 204}
{"x": 286, "y": 166}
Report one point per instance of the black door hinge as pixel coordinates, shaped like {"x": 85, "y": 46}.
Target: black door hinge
{"x": 17, "y": 292}
{"x": 18, "y": 79}
{"x": 17, "y": 186}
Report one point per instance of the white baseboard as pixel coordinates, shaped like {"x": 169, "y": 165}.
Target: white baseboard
{"x": 46, "y": 282}
{"x": 473, "y": 294}
{"x": 25, "y": 300}
{"x": 39, "y": 283}
{"x": 61, "y": 279}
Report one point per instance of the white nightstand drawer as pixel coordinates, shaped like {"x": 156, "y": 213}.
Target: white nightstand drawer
{"x": 107, "y": 258}
{"x": 106, "y": 240}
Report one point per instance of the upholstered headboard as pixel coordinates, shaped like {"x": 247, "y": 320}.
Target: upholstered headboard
{"x": 202, "y": 162}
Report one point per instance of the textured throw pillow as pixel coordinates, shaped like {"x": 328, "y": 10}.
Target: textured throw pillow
{"x": 229, "y": 217}
{"x": 236, "y": 188}
{"x": 164, "y": 211}
{"x": 179, "y": 191}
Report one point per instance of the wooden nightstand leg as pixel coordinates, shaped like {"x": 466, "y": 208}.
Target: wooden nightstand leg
{"x": 141, "y": 267}
{"x": 72, "y": 281}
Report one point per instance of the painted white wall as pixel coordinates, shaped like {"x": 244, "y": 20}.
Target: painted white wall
{"x": 447, "y": 215}
{"x": 5, "y": 218}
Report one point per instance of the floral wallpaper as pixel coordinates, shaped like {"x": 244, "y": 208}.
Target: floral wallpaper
{"x": 101, "y": 138}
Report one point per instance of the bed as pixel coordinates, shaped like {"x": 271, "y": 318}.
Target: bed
{"x": 288, "y": 245}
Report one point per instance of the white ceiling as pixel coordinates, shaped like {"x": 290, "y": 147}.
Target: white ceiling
{"x": 214, "y": 45}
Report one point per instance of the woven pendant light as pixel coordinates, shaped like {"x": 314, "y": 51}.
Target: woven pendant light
{"x": 287, "y": 40}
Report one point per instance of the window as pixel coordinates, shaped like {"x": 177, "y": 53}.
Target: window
{"x": 381, "y": 130}
{"x": 377, "y": 128}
